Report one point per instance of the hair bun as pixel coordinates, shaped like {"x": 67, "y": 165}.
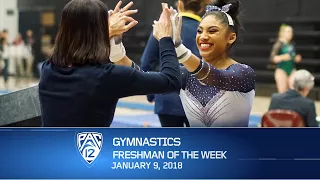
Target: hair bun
{"x": 234, "y": 8}
{"x": 197, "y": 6}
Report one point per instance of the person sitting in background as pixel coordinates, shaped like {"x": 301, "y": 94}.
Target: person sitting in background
{"x": 295, "y": 99}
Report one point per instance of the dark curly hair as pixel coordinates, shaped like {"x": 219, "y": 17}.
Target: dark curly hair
{"x": 233, "y": 12}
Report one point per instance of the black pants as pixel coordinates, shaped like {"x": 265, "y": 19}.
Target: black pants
{"x": 5, "y": 70}
{"x": 173, "y": 121}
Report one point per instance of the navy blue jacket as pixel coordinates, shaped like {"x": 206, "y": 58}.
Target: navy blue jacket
{"x": 87, "y": 95}
{"x": 170, "y": 103}
{"x": 292, "y": 100}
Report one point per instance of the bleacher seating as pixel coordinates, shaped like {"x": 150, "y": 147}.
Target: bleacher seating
{"x": 256, "y": 42}
{"x": 135, "y": 41}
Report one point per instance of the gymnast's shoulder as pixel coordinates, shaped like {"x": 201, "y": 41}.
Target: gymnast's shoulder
{"x": 241, "y": 67}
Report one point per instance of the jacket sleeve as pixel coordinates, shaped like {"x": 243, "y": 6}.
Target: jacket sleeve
{"x": 150, "y": 59}
{"x": 311, "y": 119}
{"x": 272, "y": 102}
{"x": 150, "y": 56}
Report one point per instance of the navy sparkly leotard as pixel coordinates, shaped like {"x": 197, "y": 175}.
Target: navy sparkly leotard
{"x": 218, "y": 98}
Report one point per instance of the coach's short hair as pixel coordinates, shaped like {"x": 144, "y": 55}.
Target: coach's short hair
{"x": 303, "y": 79}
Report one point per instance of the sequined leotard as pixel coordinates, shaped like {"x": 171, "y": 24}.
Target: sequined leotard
{"x": 281, "y": 48}
{"x": 218, "y": 98}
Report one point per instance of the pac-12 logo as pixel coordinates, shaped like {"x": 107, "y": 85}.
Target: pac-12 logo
{"x": 89, "y": 145}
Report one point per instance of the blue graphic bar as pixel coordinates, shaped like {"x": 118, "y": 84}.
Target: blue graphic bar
{"x": 159, "y": 153}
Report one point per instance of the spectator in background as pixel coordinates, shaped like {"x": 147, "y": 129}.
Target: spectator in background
{"x": 1, "y": 51}
{"x": 284, "y": 55}
{"x": 5, "y": 55}
{"x": 40, "y": 54}
{"x": 295, "y": 99}
{"x": 18, "y": 53}
{"x": 29, "y": 44}
{"x": 168, "y": 106}
{"x": 4, "y": 34}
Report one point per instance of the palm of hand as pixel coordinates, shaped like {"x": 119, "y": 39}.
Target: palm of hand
{"x": 162, "y": 27}
{"x": 176, "y": 25}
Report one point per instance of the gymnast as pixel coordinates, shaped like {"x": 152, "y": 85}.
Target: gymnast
{"x": 80, "y": 84}
{"x": 284, "y": 55}
{"x": 216, "y": 90}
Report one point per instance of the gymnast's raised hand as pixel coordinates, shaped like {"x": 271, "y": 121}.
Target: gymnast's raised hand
{"x": 162, "y": 28}
{"x": 120, "y": 19}
{"x": 119, "y": 23}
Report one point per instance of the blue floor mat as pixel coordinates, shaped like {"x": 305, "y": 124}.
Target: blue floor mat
{"x": 153, "y": 121}
{"x": 145, "y": 120}
{"x": 4, "y": 92}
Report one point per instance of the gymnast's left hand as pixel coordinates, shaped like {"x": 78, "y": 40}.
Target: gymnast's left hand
{"x": 120, "y": 20}
{"x": 176, "y": 21}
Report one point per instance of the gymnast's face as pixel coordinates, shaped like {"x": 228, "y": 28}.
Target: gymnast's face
{"x": 213, "y": 38}
{"x": 287, "y": 33}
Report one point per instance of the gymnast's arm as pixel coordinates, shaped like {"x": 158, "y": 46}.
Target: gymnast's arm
{"x": 119, "y": 23}
{"x": 134, "y": 82}
{"x": 238, "y": 77}
{"x": 274, "y": 57}
{"x": 118, "y": 52}
{"x": 169, "y": 78}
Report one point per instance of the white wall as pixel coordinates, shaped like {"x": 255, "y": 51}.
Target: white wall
{"x": 10, "y": 22}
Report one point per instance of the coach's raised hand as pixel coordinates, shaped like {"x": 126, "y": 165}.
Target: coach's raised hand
{"x": 163, "y": 28}
{"x": 120, "y": 20}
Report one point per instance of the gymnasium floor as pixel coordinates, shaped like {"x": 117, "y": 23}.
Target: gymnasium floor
{"x": 136, "y": 111}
